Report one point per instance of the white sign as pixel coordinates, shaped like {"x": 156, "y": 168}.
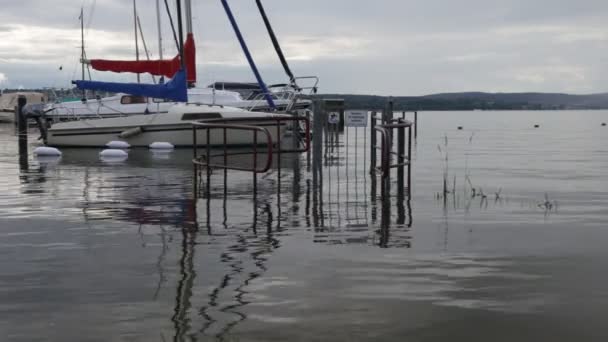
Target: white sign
{"x": 333, "y": 118}
{"x": 355, "y": 119}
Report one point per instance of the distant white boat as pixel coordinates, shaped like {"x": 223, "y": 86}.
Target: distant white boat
{"x": 8, "y": 102}
{"x": 174, "y": 127}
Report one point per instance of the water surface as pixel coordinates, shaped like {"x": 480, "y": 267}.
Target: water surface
{"x": 101, "y": 251}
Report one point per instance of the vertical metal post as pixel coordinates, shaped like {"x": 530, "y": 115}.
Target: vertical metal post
{"x": 390, "y": 116}
{"x": 373, "y": 146}
{"x": 194, "y": 158}
{"x": 279, "y": 143}
{"x": 416, "y": 124}
{"x": 409, "y": 162}
{"x": 255, "y": 165}
{"x": 208, "y": 163}
{"x": 225, "y": 164}
{"x": 401, "y": 160}
{"x": 308, "y": 153}
{"x": 279, "y": 172}
{"x": 22, "y": 129}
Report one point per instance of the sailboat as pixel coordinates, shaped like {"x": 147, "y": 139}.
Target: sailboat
{"x": 173, "y": 126}
{"x": 241, "y": 95}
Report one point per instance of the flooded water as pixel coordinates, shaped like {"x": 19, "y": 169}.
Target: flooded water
{"x": 93, "y": 250}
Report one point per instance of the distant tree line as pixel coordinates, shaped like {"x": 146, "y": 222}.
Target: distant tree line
{"x": 469, "y": 101}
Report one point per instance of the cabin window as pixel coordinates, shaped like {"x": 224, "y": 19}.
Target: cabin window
{"x": 130, "y": 99}
{"x": 200, "y": 116}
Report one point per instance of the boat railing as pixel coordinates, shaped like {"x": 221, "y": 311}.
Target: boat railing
{"x": 289, "y": 93}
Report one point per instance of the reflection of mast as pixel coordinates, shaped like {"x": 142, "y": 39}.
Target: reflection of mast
{"x": 185, "y": 285}
{"x": 244, "y": 246}
{"x": 159, "y": 263}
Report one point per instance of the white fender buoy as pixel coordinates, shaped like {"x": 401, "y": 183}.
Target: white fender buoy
{"x": 46, "y": 151}
{"x": 161, "y": 146}
{"x": 120, "y": 145}
{"x": 113, "y": 153}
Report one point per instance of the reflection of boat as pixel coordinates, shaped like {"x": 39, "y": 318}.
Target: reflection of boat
{"x": 174, "y": 127}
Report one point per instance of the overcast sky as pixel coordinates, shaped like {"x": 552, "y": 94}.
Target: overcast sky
{"x": 385, "y": 47}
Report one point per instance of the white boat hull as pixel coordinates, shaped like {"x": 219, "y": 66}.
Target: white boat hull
{"x": 179, "y": 136}
{"x": 169, "y": 127}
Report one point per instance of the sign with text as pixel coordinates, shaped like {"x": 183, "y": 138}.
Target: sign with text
{"x": 355, "y": 118}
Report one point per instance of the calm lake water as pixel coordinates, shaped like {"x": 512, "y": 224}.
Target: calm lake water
{"x": 98, "y": 251}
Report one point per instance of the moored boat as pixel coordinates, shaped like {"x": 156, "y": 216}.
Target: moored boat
{"x": 174, "y": 127}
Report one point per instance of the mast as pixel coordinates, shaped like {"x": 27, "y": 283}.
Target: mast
{"x": 180, "y": 30}
{"x": 136, "y": 38}
{"x": 254, "y": 68}
{"x": 188, "y": 5}
{"x": 82, "y": 54}
{"x": 275, "y": 43}
{"x": 160, "y": 32}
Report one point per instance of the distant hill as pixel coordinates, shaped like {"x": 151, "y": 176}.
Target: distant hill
{"x": 479, "y": 100}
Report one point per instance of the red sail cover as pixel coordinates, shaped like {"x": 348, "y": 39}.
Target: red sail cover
{"x": 167, "y": 68}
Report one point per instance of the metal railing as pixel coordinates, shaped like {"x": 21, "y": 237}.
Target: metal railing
{"x": 244, "y": 125}
{"x": 387, "y": 129}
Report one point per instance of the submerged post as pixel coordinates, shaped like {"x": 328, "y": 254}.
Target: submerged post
{"x": 22, "y": 129}
{"x": 416, "y": 124}
{"x": 401, "y": 159}
{"x": 317, "y": 145}
{"x": 409, "y": 162}
{"x": 372, "y": 150}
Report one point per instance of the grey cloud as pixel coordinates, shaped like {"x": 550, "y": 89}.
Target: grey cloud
{"x": 394, "y": 47}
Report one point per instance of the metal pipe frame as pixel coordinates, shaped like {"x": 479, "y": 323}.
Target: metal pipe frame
{"x": 228, "y": 123}
{"x": 199, "y": 162}
{"x": 280, "y": 120}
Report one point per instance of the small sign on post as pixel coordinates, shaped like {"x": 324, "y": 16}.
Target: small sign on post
{"x": 333, "y": 118}
{"x": 356, "y": 118}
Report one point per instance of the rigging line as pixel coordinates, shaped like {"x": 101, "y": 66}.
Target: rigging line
{"x": 91, "y": 14}
{"x": 275, "y": 42}
{"x": 245, "y": 49}
{"x": 177, "y": 45}
{"x": 143, "y": 40}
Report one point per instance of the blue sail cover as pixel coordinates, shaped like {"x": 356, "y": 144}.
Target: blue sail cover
{"x": 175, "y": 90}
